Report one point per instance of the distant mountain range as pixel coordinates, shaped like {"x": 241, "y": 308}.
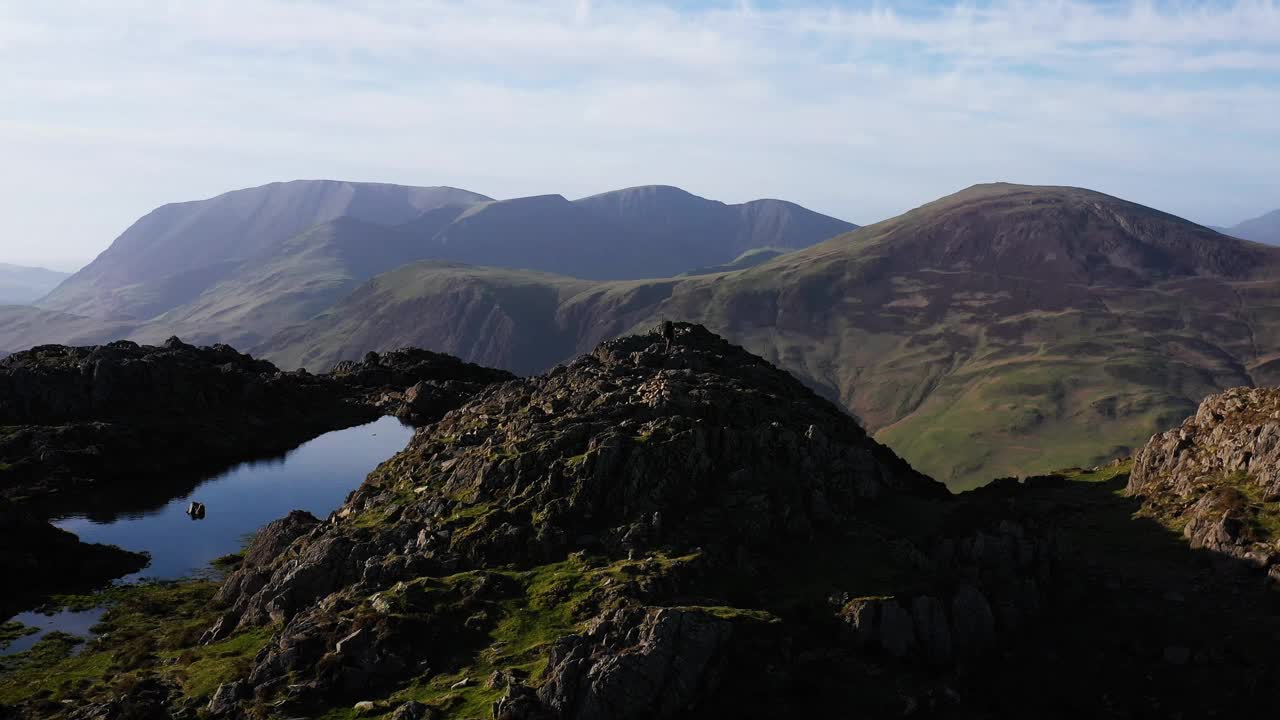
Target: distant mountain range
{"x": 20, "y": 285}
{"x": 1264, "y": 229}
{"x": 244, "y": 265}
{"x": 1002, "y": 330}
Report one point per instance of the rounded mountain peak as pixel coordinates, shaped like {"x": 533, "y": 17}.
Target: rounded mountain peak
{"x": 672, "y": 437}
{"x": 1060, "y": 233}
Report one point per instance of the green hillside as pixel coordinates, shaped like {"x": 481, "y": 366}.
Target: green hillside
{"x": 1002, "y": 330}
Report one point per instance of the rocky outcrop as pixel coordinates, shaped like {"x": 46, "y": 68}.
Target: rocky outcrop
{"x": 636, "y": 663}
{"x": 37, "y": 557}
{"x": 988, "y": 584}
{"x": 675, "y": 443}
{"x": 81, "y": 417}
{"x": 1237, "y": 431}
{"x": 79, "y": 422}
{"x": 1218, "y": 475}
{"x": 78, "y": 416}
{"x": 669, "y": 527}
{"x": 426, "y": 384}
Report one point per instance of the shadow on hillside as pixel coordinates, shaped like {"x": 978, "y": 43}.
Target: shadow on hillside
{"x": 1135, "y": 625}
{"x": 1138, "y": 625}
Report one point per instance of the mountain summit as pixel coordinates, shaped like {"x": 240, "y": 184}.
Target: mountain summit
{"x": 177, "y": 251}
{"x": 242, "y": 266}
{"x": 1264, "y": 229}
{"x": 1005, "y": 329}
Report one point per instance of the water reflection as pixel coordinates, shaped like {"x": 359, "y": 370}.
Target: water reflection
{"x": 74, "y": 622}
{"x": 315, "y": 477}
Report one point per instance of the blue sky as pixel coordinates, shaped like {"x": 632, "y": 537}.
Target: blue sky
{"x": 858, "y": 109}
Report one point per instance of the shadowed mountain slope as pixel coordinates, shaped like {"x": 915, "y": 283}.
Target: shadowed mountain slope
{"x": 175, "y": 252}
{"x": 1004, "y": 329}
{"x": 242, "y": 266}
{"x": 706, "y": 232}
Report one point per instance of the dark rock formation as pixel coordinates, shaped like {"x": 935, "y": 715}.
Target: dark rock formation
{"x": 993, "y": 582}
{"x": 1218, "y": 475}
{"x": 429, "y": 383}
{"x": 36, "y": 557}
{"x": 636, "y": 663}
{"x": 669, "y": 527}
{"x": 688, "y": 444}
{"x": 77, "y": 423}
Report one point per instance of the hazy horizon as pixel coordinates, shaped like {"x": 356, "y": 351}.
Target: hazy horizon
{"x": 857, "y": 110}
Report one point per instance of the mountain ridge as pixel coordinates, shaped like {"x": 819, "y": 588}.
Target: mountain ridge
{"x": 1264, "y": 228}
{"x": 960, "y": 332}
{"x": 23, "y": 284}
{"x": 246, "y": 264}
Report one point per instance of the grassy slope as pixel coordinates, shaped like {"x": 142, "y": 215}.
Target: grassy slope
{"x": 1037, "y": 355}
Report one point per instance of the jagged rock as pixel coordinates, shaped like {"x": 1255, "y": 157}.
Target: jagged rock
{"x": 973, "y": 622}
{"x": 691, "y": 446}
{"x": 862, "y": 616}
{"x": 897, "y": 633}
{"x": 636, "y": 445}
{"x": 520, "y": 702}
{"x": 120, "y": 411}
{"x": 412, "y": 710}
{"x": 226, "y": 697}
{"x": 1237, "y": 431}
{"x": 436, "y": 383}
{"x": 932, "y": 630}
{"x": 149, "y": 699}
{"x": 1218, "y": 472}
{"x": 636, "y": 663}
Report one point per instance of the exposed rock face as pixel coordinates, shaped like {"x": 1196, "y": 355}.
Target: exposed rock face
{"x": 118, "y": 411}
{"x": 431, "y": 383}
{"x": 54, "y": 384}
{"x": 79, "y": 421}
{"x": 636, "y": 663}
{"x": 1237, "y": 431}
{"x": 991, "y": 583}
{"x": 688, "y": 444}
{"x": 1219, "y": 474}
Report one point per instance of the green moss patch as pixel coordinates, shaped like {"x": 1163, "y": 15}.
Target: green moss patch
{"x": 14, "y": 630}
{"x": 147, "y": 630}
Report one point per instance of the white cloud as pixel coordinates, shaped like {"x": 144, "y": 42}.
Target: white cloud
{"x": 861, "y": 111}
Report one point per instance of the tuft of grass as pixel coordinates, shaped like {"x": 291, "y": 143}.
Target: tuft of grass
{"x": 147, "y": 629}
{"x": 13, "y": 630}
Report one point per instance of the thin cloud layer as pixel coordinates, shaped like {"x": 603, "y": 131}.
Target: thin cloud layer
{"x": 858, "y": 110}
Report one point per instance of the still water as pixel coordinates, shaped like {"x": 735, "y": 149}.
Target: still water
{"x": 315, "y": 476}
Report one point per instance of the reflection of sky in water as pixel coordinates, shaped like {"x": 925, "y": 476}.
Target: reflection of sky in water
{"x": 315, "y": 477}
{"x": 76, "y": 623}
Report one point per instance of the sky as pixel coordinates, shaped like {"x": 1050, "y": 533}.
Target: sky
{"x": 857, "y": 109}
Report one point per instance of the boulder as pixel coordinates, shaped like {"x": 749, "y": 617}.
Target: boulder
{"x": 636, "y": 663}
